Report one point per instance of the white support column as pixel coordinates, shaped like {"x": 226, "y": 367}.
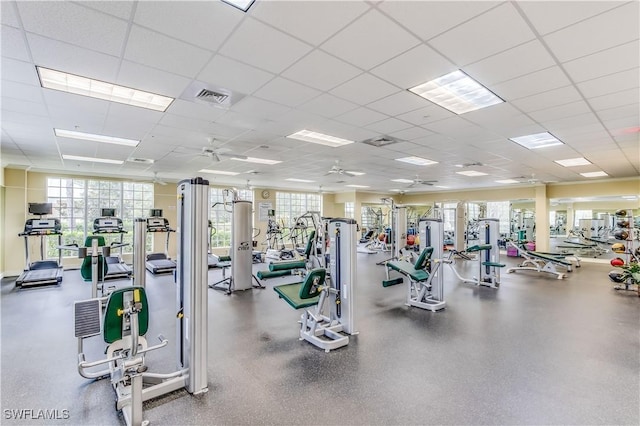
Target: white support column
{"x": 542, "y": 219}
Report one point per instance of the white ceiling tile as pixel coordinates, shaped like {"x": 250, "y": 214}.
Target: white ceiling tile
{"x": 566, "y": 110}
{"x": 366, "y": 48}
{"x": 609, "y": 29}
{"x": 197, "y": 110}
{"x": 388, "y": 126}
{"x": 398, "y": 103}
{"x": 551, "y": 98}
{"x": 180, "y": 122}
{"x": 18, "y": 71}
{"x": 610, "y": 83}
{"x": 616, "y": 59}
{"x": 551, "y": 16}
{"x": 264, "y": 47}
{"x": 363, "y": 89}
{"x": 360, "y": 117}
{"x": 312, "y": 71}
{"x": 626, "y": 97}
{"x": 121, "y": 9}
{"x": 493, "y": 115}
{"x": 13, "y": 45}
{"x": 428, "y": 19}
{"x": 204, "y": 24}
{"x": 74, "y": 24}
{"x": 494, "y": 31}
{"x": 621, "y": 126}
{"x": 259, "y": 108}
{"x": 631, "y": 110}
{"x": 524, "y": 59}
{"x": 159, "y": 51}
{"x": 152, "y": 80}
{"x": 292, "y": 122}
{"x": 286, "y": 92}
{"x": 530, "y": 84}
{"x": 568, "y": 123}
{"x": 25, "y": 92}
{"x": 72, "y": 59}
{"x": 328, "y": 106}
{"x": 411, "y": 133}
{"x": 341, "y": 130}
{"x": 311, "y": 21}
{"x": 61, "y": 101}
{"x": 414, "y": 67}
{"x": 233, "y": 75}
{"x": 426, "y": 115}
{"x": 8, "y": 14}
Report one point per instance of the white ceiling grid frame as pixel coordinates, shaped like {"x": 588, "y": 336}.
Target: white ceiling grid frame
{"x": 364, "y": 89}
{"x": 13, "y": 44}
{"x": 312, "y": 71}
{"x": 234, "y": 75}
{"x": 610, "y": 83}
{"x": 286, "y": 92}
{"x": 153, "y": 80}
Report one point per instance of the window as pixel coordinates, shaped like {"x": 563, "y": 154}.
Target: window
{"x": 500, "y": 210}
{"x": 349, "y": 210}
{"x": 581, "y": 214}
{"x": 77, "y": 202}
{"x": 220, "y": 215}
{"x": 291, "y": 205}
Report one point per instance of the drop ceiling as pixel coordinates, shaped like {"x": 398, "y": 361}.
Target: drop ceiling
{"x": 341, "y": 68}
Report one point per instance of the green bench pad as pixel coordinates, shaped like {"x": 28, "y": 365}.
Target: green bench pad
{"x": 496, "y": 264}
{"x": 291, "y": 294}
{"x": 389, "y": 283}
{"x": 112, "y": 328}
{"x": 224, "y": 258}
{"x": 272, "y": 274}
{"x": 407, "y": 268}
{"x": 285, "y": 266}
{"x": 478, "y": 248}
{"x": 550, "y": 258}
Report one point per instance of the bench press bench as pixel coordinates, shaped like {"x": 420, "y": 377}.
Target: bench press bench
{"x": 540, "y": 262}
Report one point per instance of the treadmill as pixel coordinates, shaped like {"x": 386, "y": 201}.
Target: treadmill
{"x": 41, "y": 272}
{"x": 158, "y": 263}
{"x": 108, "y": 224}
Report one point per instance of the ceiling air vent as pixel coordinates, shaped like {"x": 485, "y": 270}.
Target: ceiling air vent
{"x": 381, "y": 141}
{"x": 140, "y": 160}
{"x": 211, "y": 96}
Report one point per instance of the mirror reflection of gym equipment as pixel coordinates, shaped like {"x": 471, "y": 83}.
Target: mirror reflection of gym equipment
{"x": 159, "y": 263}
{"x": 107, "y": 225}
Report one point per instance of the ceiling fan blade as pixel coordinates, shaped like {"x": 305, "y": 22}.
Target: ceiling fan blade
{"x": 349, "y": 174}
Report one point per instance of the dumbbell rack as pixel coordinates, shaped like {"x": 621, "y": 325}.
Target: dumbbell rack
{"x": 628, "y": 246}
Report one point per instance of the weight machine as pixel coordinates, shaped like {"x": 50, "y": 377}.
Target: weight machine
{"x": 126, "y": 319}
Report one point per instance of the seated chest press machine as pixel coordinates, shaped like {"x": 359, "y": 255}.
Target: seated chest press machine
{"x": 126, "y": 317}
{"x": 487, "y": 255}
{"x": 425, "y": 277}
{"x": 330, "y": 318}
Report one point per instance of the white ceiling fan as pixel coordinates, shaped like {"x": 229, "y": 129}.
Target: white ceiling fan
{"x": 336, "y": 169}
{"x": 216, "y": 154}
{"x": 418, "y": 181}
{"x": 158, "y": 180}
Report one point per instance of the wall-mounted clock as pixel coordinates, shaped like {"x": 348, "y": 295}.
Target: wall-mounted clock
{"x": 265, "y": 194}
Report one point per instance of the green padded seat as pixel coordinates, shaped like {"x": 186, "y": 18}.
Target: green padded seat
{"x": 282, "y": 266}
{"x": 304, "y": 294}
{"x": 113, "y": 317}
{"x": 550, "y": 258}
{"x": 496, "y": 264}
{"x": 416, "y": 271}
{"x": 85, "y": 269}
{"x": 478, "y": 248}
{"x": 263, "y": 275}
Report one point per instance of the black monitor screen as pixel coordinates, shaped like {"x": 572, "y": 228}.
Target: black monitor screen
{"x": 107, "y": 212}
{"x": 40, "y": 208}
{"x": 155, "y": 213}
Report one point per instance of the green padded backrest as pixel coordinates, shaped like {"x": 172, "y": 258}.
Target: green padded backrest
{"x": 423, "y": 259}
{"x": 309, "y": 248}
{"x": 85, "y": 269}
{"x": 310, "y": 286}
{"x": 112, "y": 329}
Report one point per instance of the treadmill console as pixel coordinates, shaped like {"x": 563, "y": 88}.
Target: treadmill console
{"x": 41, "y": 227}
{"x": 107, "y": 225}
{"x": 158, "y": 224}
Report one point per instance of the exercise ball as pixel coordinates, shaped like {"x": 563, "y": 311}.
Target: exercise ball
{"x": 617, "y": 262}
{"x": 623, "y": 223}
{"x": 616, "y": 277}
{"x": 621, "y": 212}
{"x": 411, "y": 239}
{"x": 621, "y": 235}
{"x": 618, "y": 248}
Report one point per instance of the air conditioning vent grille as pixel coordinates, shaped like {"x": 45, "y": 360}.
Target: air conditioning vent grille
{"x": 211, "y": 96}
{"x": 381, "y": 141}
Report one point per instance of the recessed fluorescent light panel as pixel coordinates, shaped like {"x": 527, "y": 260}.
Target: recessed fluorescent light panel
{"x": 507, "y": 181}
{"x": 418, "y": 161}
{"x": 471, "y": 173}
{"x": 300, "y": 180}
{"x": 572, "y": 162}
{"x": 594, "y": 174}
{"x": 319, "y": 138}
{"x": 357, "y": 186}
{"x": 402, "y": 180}
{"x": 539, "y": 140}
{"x": 257, "y": 160}
{"x": 243, "y": 5}
{"x": 218, "y": 172}
{"x": 95, "y": 138}
{"x": 91, "y": 159}
{"x": 351, "y": 172}
{"x": 441, "y": 187}
{"x": 70, "y": 83}
{"x": 457, "y": 92}
{"x": 629, "y": 197}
